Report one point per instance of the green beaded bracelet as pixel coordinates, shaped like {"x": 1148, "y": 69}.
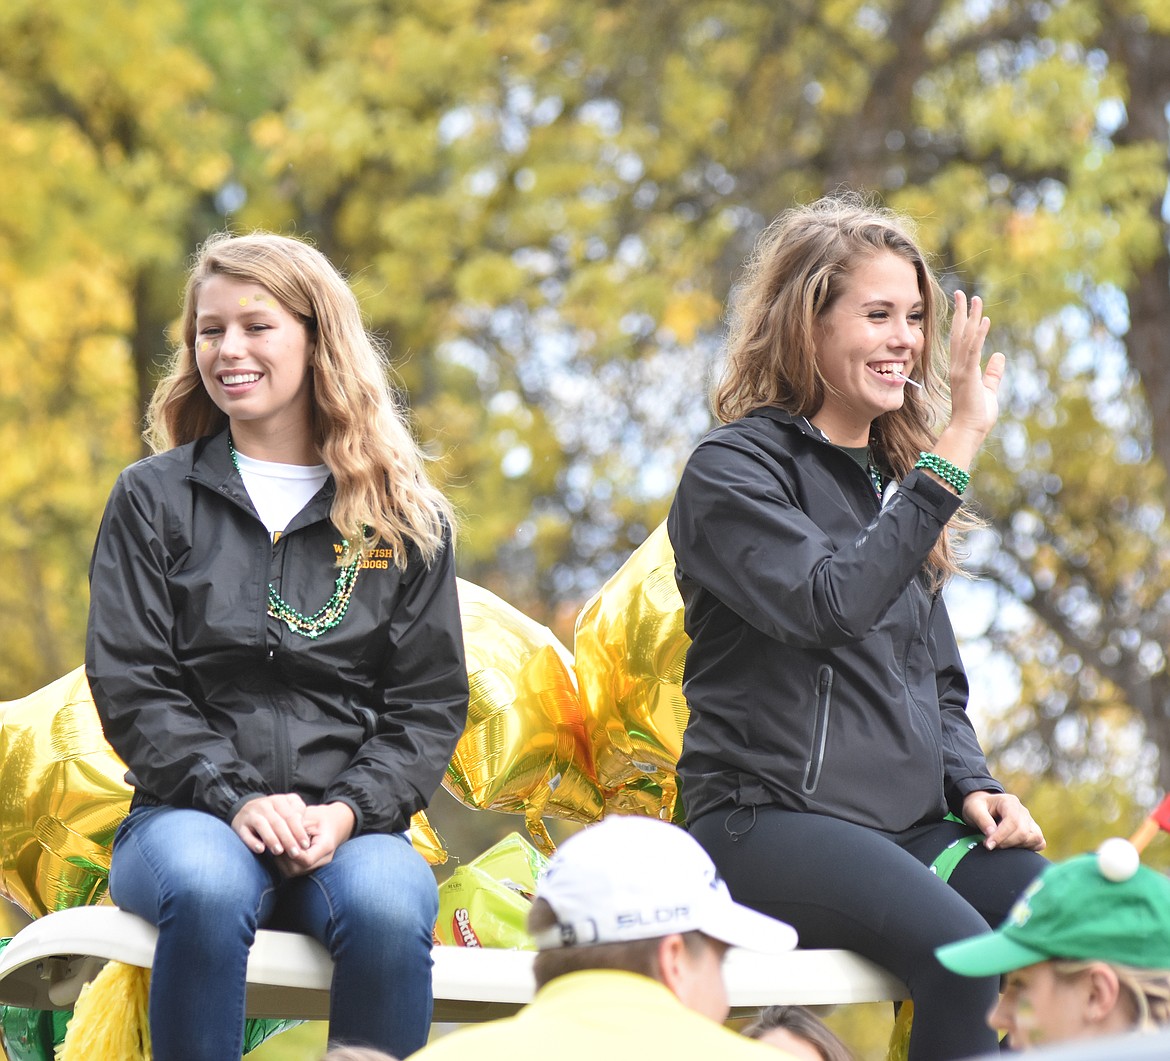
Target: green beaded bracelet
{"x": 951, "y": 474}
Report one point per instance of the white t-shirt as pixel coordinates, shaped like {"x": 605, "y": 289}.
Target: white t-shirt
{"x": 280, "y": 491}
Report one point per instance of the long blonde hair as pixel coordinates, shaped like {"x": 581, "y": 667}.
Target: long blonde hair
{"x": 359, "y": 428}
{"x": 796, "y": 272}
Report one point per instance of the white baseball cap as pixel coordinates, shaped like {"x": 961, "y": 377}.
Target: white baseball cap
{"x": 630, "y": 878}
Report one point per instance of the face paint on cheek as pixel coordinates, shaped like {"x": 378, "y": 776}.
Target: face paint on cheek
{"x": 1028, "y": 1031}
{"x": 243, "y": 302}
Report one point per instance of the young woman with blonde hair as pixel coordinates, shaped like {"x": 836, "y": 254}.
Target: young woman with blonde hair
{"x": 275, "y": 651}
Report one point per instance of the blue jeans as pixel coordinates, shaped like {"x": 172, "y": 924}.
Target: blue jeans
{"x": 373, "y": 907}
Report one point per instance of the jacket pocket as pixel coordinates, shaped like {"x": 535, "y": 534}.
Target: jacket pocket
{"x": 820, "y": 731}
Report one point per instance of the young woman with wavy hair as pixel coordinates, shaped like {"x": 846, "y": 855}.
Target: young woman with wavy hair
{"x": 828, "y": 762}
{"x": 275, "y": 651}
{"x": 772, "y": 347}
{"x": 357, "y": 426}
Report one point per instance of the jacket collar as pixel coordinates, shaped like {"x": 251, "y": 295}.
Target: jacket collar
{"x": 780, "y": 416}
{"x": 211, "y": 465}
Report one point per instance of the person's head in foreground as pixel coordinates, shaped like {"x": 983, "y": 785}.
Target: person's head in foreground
{"x": 1084, "y": 953}
{"x": 641, "y": 896}
{"x": 798, "y": 1032}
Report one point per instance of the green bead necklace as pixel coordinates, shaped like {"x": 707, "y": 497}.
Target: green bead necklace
{"x": 330, "y": 613}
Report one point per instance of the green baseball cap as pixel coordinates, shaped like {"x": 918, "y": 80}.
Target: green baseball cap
{"x": 1072, "y": 910}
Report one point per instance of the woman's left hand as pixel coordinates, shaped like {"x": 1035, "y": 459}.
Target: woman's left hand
{"x": 974, "y": 389}
{"x": 329, "y": 825}
{"x": 1003, "y": 820}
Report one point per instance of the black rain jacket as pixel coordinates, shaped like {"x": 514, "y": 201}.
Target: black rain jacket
{"x": 823, "y": 674}
{"x": 210, "y": 702}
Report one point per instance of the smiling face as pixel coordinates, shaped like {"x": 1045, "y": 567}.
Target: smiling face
{"x": 869, "y": 338}
{"x": 253, "y": 356}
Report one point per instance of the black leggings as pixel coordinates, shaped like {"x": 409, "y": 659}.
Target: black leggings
{"x": 843, "y": 885}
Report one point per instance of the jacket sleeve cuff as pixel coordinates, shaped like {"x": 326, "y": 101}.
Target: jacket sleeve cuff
{"x": 930, "y": 496}
{"x": 958, "y": 791}
{"x": 238, "y": 806}
{"x": 358, "y": 817}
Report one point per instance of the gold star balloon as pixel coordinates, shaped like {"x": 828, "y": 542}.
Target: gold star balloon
{"x": 61, "y": 800}
{"x": 525, "y": 748}
{"x": 630, "y": 648}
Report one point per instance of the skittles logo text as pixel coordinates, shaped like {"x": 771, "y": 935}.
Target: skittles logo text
{"x": 461, "y": 926}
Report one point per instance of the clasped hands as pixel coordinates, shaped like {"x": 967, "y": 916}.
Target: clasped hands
{"x": 300, "y": 837}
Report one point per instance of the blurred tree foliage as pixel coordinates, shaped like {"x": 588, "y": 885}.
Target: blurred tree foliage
{"x": 543, "y": 205}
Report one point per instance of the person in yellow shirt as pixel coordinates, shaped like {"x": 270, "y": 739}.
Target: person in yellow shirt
{"x": 631, "y": 924}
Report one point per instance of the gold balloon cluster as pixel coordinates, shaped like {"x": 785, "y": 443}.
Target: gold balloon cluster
{"x": 630, "y": 649}
{"x": 583, "y": 735}
{"x": 548, "y": 733}
{"x": 524, "y": 748}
